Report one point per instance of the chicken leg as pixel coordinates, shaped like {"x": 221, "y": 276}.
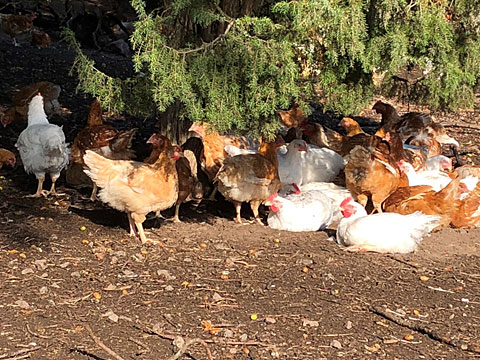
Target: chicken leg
{"x": 176, "y": 218}
{"x": 40, "y": 192}
{"x": 238, "y": 207}
{"x": 93, "y": 196}
{"x": 131, "y": 223}
{"x": 255, "y": 205}
{"x": 52, "y": 188}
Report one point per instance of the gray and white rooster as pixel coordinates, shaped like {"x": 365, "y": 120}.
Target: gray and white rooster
{"x": 42, "y": 147}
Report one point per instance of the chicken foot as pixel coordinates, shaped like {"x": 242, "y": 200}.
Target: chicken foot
{"x": 363, "y": 247}
{"x": 40, "y": 192}
{"x": 52, "y": 188}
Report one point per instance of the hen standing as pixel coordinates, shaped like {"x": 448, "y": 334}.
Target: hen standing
{"x": 42, "y": 147}
{"x": 251, "y": 178}
{"x": 134, "y": 187}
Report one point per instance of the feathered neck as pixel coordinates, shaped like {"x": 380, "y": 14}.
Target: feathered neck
{"x": 36, "y": 113}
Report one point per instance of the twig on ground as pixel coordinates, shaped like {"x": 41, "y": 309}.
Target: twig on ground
{"x": 432, "y": 334}
{"x": 20, "y": 354}
{"x": 36, "y": 334}
{"x": 101, "y": 344}
{"x": 186, "y": 344}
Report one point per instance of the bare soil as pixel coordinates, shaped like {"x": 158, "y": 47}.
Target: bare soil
{"x": 248, "y": 292}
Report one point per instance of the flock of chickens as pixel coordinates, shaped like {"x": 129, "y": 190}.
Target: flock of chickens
{"x": 399, "y": 174}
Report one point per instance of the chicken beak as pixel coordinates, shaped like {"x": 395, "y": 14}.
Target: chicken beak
{"x": 151, "y": 140}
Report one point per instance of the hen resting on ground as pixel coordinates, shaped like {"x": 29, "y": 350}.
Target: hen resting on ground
{"x": 7, "y": 157}
{"x": 386, "y": 232}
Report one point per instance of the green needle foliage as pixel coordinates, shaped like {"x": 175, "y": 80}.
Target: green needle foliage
{"x": 233, "y": 64}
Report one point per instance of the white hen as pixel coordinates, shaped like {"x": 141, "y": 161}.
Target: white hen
{"x": 42, "y": 147}
{"x": 320, "y": 165}
{"x": 307, "y": 211}
{"x": 434, "y": 178}
{"x": 335, "y": 193}
{"x": 439, "y": 162}
{"x": 383, "y": 233}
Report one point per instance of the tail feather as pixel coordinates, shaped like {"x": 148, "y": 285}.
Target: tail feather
{"x": 422, "y": 224}
{"x": 95, "y": 164}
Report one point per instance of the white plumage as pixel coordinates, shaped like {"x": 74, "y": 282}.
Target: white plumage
{"x": 42, "y": 146}
{"x": 435, "y": 178}
{"x": 385, "y": 232}
{"x": 320, "y": 165}
{"x": 335, "y": 193}
{"x": 308, "y": 211}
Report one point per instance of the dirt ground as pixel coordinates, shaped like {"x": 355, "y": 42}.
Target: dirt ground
{"x": 75, "y": 286}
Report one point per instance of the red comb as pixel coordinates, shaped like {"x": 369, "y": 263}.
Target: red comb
{"x": 272, "y": 197}
{"x": 346, "y": 201}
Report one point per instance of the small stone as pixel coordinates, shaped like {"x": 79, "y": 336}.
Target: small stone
{"x": 270, "y": 320}
{"x": 227, "y": 333}
{"x": 348, "y": 325}
{"x": 43, "y": 290}
{"x": 243, "y": 337}
{"x": 169, "y": 288}
{"x": 336, "y": 344}
{"x": 27, "y": 271}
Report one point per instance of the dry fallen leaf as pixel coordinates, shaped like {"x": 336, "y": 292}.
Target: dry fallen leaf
{"x": 207, "y": 326}
{"x": 97, "y": 295}
{"x": 424, "y": 278}
{"x": 416, "y": 312}
{"x": 408, "y": 337}
{"x": 12, "y": 251}
{"x": 447, "y": 268}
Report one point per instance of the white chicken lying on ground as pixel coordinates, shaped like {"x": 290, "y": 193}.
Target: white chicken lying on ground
{"x": 435, "y": 178}
{"x": 307, "y": 211}
{"x": 383, "y": 233}
{"x": 42, "y": 147}
{"x": 439, "y": 163}
{"x": 335, "y": 193}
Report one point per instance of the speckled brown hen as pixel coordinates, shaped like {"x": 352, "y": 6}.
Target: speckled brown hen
{"x": 372, "y": 173}
{"x": 189, "y": 187}
{"x": 250, "y": 178}
{"x": 14, "y": 25}
{"x": 103, "y": 139}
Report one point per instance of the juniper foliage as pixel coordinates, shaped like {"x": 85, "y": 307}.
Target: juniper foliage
{"x": 234, "y": 64}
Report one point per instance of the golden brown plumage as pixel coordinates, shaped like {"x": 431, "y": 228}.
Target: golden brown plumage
{"x": 103, "y": 139}
{"x": 466, "y": 212}
{"x": 351, "y": 126}
{"x": 14, "y": 25}
{"x": 133, "y": 187}
{"x": 7, "y": 158}
{"x": 188, "y": 185}
{"x": 321, "y": 136}
{"x": 293, "y": 117}
{"x": 407, "y": 200}
{"x": 250, "y": 178}
{"x": 40, "y": 39}
{"x": 214, "y": 147}
{"x": 372, "y": 173}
